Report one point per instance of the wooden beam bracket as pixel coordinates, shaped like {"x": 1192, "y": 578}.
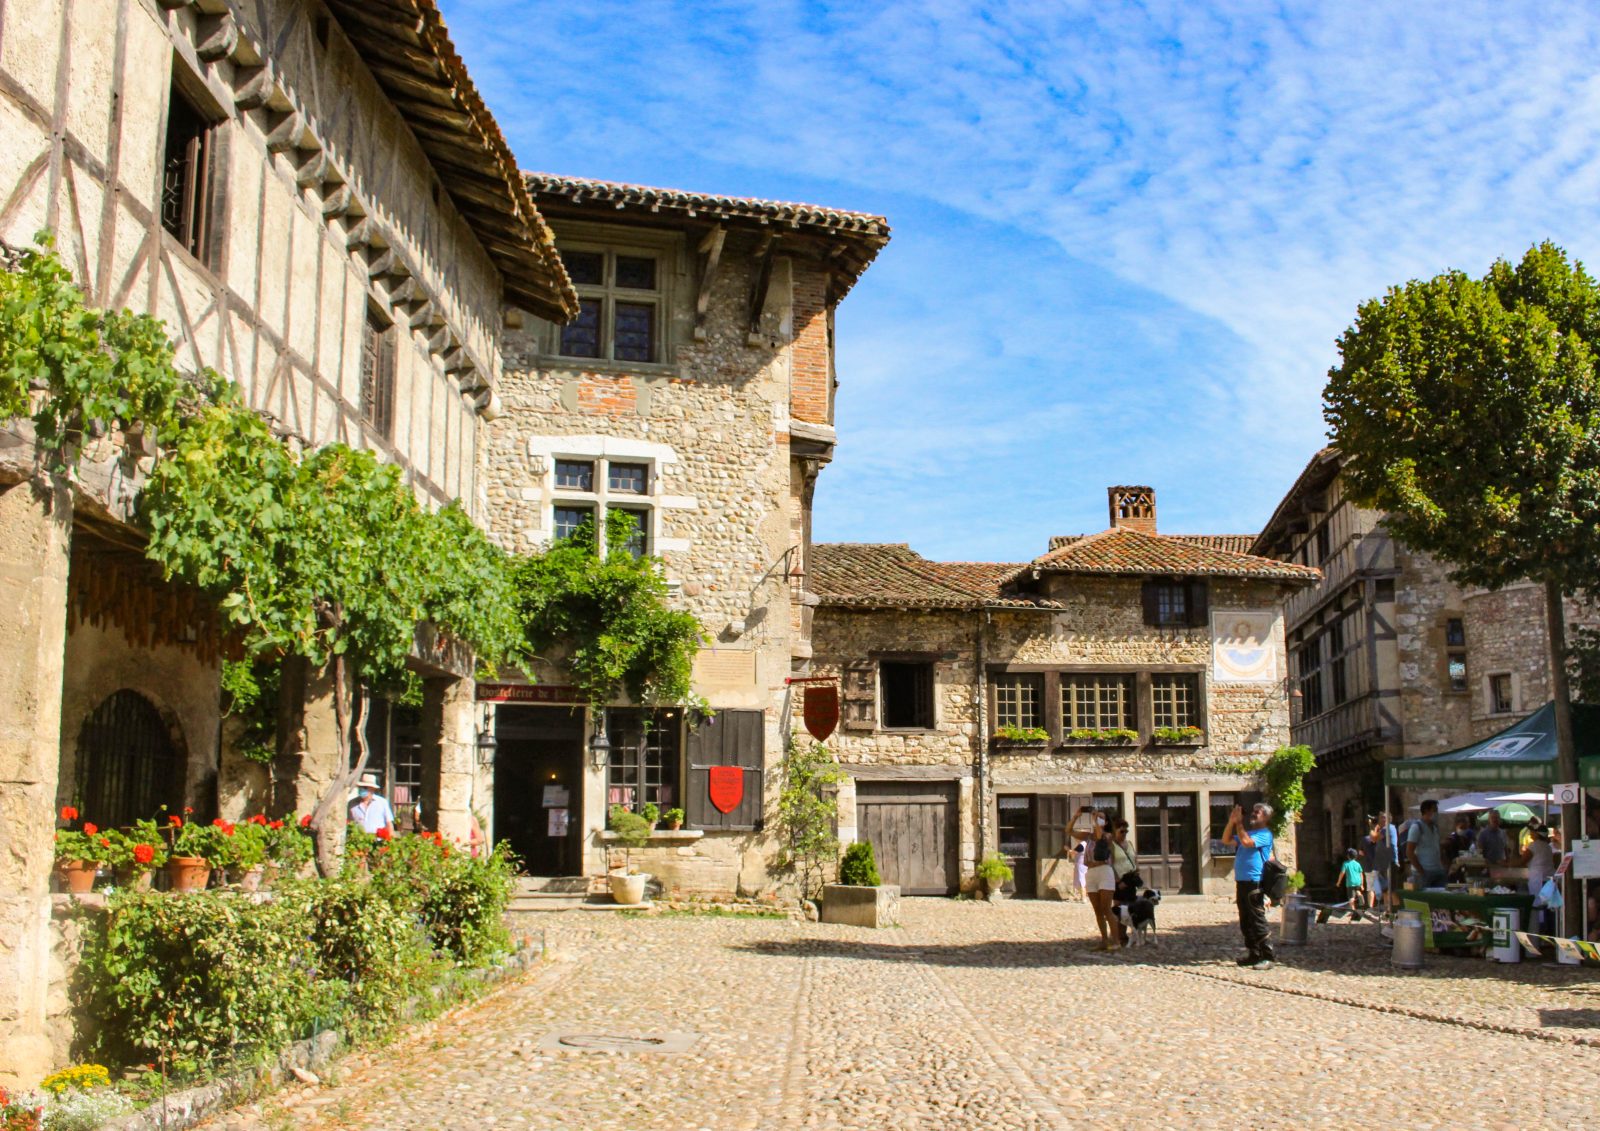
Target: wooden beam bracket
{"x": 711, "y": 248}
{"x": 763, "y": 283}
{"x": 216, "y": 37}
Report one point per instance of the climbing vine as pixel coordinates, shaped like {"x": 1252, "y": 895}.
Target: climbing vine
{"x": 612, "y": 614}
{"x": 1285, "y": 773}
{"x": 324, "y": 556}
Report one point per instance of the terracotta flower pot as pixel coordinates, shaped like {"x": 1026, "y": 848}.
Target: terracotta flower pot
{"x": 189, "y": 873}
{"x": 250, "y": 879}
{"x": 134, "y": 879}
{"x": 78, "y": 875}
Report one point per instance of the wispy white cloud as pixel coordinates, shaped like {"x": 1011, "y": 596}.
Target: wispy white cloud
{"x": 1234, "y": 180}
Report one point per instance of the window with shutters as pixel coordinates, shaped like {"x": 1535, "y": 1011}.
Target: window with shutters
{"x": 1018, "y": 700}
{"x": 646, "y": 757}
{"x": 734, "y": 740}
{"x": 1175, "y": 602}
{"x": 906, "y": 694}
{"x": 188, "y": 188}
{"x": 858, "y": 694}
{"x": 377, "y": 374}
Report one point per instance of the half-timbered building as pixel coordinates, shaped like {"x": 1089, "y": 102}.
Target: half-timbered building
{"x": 1389, "y": 657}
{"x": 314, "y": 199}
{"x": 985, "y": 703}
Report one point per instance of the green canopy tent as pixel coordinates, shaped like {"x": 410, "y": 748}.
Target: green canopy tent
{"x": 1523, "y": 754}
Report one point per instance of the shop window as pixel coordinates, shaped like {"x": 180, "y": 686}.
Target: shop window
{"x": 906, "y": 691}
{"x": 645, "y": 761}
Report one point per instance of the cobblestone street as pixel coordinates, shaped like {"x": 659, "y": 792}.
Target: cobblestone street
{"x": 979, "y": 1016}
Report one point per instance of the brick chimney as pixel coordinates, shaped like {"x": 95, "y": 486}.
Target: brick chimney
{"x": 1133, "y": 507}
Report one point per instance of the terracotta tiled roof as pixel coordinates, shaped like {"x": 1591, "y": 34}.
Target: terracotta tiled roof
{"x": 1125, "y": 551}
{"x": 857, "y": 236}
{"x": 406, "y": 47}
{"x": 878, "y": 575}
{"x": 1232, "y": 543}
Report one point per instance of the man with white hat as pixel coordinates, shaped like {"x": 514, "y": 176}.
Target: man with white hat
{"x": 371, "y": 809}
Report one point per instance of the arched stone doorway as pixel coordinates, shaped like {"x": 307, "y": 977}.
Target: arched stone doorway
{"x": 128, "y": 765}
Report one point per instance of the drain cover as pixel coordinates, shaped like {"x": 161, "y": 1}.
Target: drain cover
{"x": 617, "y": 1042}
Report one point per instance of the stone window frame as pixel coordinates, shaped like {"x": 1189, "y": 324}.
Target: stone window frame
{"x": 1513, "y": 684}
{"x": 668, "y": 250}
{"x": 1052, "y": 676}
{"x": 602, "y": 500}
{"x": 930, "y": 660}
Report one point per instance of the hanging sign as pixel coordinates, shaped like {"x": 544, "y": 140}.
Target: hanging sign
{"x": 821, "y": 710}
{"x": 726, "y": 787}
{"x": 527, "y": 693}
{"x": 1567, "y": 793}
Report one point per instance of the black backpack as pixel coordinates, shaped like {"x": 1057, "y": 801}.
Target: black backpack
{"x": 1102, "y": 850}
{"x": 1274, "y": 876}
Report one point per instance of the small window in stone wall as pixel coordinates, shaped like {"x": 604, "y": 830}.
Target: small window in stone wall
{"x": 569, "y": 519}
{"x": 1175, "y": 700}
{"x": 906, "y": 692}
{"x": 1455, "y": 632}
{"x": 620, "y": 304}
{"x": 1457, "y": 664}
{"x": 575, "y": 475}
{"x": 1502, "y": 695}
{"x": 1018, "y": 701}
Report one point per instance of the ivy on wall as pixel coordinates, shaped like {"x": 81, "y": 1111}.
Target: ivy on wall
{"x": 325, "y": 556}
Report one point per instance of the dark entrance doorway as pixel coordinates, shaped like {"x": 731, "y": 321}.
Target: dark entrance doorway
{"x": 128, "y": 767}
{"x": 1017, "y": 842}
{"x": 538, "y": 786}
{"x": 1167, "y": 840}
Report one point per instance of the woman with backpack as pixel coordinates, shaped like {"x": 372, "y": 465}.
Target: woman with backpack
{"x": 1101, "y": 882}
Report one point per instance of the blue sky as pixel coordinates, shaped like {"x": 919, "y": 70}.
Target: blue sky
{"x": 1126, "y": 236}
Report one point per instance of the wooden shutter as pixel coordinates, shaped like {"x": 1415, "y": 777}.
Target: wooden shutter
{"x": 1152, "y": 613}
{"x": 1198, "y": 611}
{"x": 859, "y": 692}
{"x": 728, "y": 738}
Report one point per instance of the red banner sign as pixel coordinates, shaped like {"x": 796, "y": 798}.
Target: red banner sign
{"x": 821, "y": 710}
{"x": 527, "y": 693}
{"x": 726, "y": 786}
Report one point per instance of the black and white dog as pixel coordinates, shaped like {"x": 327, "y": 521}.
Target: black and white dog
{"x": 1137, "y": 911}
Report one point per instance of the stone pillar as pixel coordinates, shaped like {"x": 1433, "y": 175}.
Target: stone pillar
{"x": 35, "y": 548}
{"x": 449, "y": 755}
{"x": 314, "y": 755}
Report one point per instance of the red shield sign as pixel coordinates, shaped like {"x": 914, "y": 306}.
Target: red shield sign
{"x": 726, "y": 787}
{"x": 821, "y": 710}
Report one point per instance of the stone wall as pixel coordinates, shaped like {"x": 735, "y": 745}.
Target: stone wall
{"x": 1433, "y": 718}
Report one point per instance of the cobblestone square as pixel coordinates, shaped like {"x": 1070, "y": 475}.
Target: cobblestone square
{"x": 974, "y": 1015}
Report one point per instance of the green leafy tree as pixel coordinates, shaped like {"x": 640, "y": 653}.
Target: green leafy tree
{"x": 806, "y": 815}
{"x": 1470, "y": 412}
{"x": 1285, "y": 773}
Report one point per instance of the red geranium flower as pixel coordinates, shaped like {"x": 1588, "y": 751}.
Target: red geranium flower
{"x": 175, "y": 821}
{"x": 305, "y": 822}
{"x": 68, "y": 813}
{"x": 259, "y": 819}
{"x": 90, "y": 828}
{"x": 105, "y": 842}
{"x": 186, "y": 809}
{"x": 383, "y": 834}
{"x": 275, "y": 825}
{"x": 143, "y": 853}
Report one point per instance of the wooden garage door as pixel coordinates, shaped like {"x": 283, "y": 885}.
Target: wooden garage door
{"x": 912, "y": 829}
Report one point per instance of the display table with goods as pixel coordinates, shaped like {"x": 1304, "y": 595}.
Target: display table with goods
{"x": 1454, "y": 920}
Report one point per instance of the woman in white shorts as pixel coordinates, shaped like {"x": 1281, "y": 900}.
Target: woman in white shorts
{"x": 1100, "y": 883}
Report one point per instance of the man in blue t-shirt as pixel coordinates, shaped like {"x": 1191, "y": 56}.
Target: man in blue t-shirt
{"x": 1253, "y": 844}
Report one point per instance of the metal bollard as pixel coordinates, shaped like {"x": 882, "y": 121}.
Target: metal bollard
{"x": 1407, "y": 954}
{"x": 1295, "y": 927}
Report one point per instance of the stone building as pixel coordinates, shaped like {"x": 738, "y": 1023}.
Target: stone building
{"x": 694, "y": 392}
{"x": 1390, "y": 658}
{"x": 984, "y": 703}
{"x": 314, "y": 199}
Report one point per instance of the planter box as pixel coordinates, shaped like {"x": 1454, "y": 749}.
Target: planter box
{"x": 861, "y": 906}
{"x": 1007, "y": 744}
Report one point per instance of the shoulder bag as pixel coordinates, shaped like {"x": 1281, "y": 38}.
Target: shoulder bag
{"x": 1274, "y": 876}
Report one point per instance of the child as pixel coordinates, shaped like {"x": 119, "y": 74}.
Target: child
{"x": 1080, "y": 869}
{"x": 1352, "y": 879}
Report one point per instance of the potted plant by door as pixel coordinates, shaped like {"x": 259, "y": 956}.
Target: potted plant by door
{"x": 631, "y": 830}
{"x": 673, "y": 818}
{"x": 79, "y": 853}
{"x": 249, "y": 853}
{"x": 994, "y": 873}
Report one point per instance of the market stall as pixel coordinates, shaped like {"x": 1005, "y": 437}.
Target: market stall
{"x": 1459, "y": 920}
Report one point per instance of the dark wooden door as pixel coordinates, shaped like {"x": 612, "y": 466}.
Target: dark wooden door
{"x": 1055, "y": 813}
{"x": 1166, "y": 836}
{"x": 540, "y": 759}
{"x": 911, "y": 826}
{"x": 1016, "y": 822}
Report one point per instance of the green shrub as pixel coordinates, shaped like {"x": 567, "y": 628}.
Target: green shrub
{"x": 376, "y": 950}
{"x": 465, "y": 913}
{"x": 859, "y": 866}
{"x": 192, "y": 979}
{"x": 994, "y": 870}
